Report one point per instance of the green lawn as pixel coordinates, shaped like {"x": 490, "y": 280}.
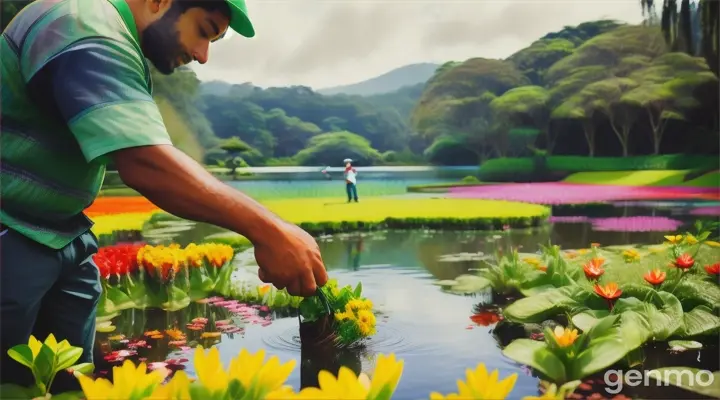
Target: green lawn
{"x": 645, "y": 178}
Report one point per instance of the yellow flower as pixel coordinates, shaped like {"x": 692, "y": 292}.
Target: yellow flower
{"x": 481, "y": 385}
{"x": 366, "y": 322}
{"x": 346, "y": 386}
{"x": 341, "y": 316}
{"x": 129, "y": 382}
{"x": 386, "y": 376}
{"x": 534, "y": 261}
{"x": 674, "y": 239}
{"x": 210, "y": 371}
{"x": 259, "y": 377}
{"x": 690, "y": 239}
{"x": 262, "y": 289}
{"x": 712, "y": 243}
{"x": 175, "y": 334}
{"x": 631, "y": 255}
{"x": 177, "y": 389}
{"x": 565, "y": 337}
{"x": 357, "y": 305}
{"x": 207, "y": 335}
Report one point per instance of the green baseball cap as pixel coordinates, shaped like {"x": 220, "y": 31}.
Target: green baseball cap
{"x": 239, "y": 20}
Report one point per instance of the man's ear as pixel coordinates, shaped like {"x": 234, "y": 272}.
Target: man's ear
{"x": 159, "y": 6}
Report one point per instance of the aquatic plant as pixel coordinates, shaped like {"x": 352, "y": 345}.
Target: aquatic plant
{"x": 141, "y": 276}
{"x": 353, "y": 317}
{"x": 566, "y": 356}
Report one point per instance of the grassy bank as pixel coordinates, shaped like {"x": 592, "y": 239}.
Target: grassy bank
{"x": 647, "y": 178}
{"x": 319, "y": 216}
{"x": 560, "y": 167}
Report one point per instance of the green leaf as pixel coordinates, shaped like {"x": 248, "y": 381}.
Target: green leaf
{"x": 537, "y": 355}
{"x": 545, "y": 305}
{"x": 586, "y": 319}
{"x": 105, "y": 306}
{"x": 177, "y": 299}
{"x": 223, "y": 283}
{"x": 468, "y": 284}
{"x": 685, "y": 344}
{"x": 119, "y": 299}
{"x": 699, "y": 321}
{"x": 82, "y": 368}
{"x": 601, "y": 353}
{"x": 67, "y": 358}
{"x": 692, "y": 292}
{"x": 13, "y": 391}
{"x": 687, "y": 378}
{"x": 635, "y": 329}
{"x": 358, "y": 289}
{"x": 666, "y": 320}
{"x": 22, "y": 354}
{"x": 44, "y": 367}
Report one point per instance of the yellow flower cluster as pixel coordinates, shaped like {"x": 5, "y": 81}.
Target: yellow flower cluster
{"x": 359, "y": 312}
{"x": 163, "y": 259}
{"x": 631, "y": 255}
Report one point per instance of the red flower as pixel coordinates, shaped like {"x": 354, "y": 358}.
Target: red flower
{"x": 118, "y": 260}
{"x": 655, "y": 277}
{"x": 684, "y": 262}
{"x": 713, "y": 269}
{"x": 485, "y": 318}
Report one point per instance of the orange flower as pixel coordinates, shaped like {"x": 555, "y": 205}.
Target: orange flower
{"x": 564, "y": 336}
{"x": 593, "y": 269}
{"x": 609, "y": 291}
{"x": 594, "y": 244}
{"x": 713, "y": 269}
{"x": 684, "y": 262}
{"x": 263, "y": 289}
{"x": 655, "y": 277}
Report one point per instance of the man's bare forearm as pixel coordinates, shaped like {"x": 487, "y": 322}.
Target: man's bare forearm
{"x": 179, "y": 185}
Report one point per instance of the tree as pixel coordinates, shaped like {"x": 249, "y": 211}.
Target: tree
{"x": 525, "y": 106}
{"x": 331, "y": 148}
{"x": 583, "y": 109}
{"x": 234, "y": 147}
{"x": 657, "y": 101}
{"x": 677, "y": 28}
{"x": 609, "y": 93}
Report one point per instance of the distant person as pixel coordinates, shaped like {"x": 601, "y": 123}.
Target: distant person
{"x": 350, "y": 180}
{"x": 77, "y": 95}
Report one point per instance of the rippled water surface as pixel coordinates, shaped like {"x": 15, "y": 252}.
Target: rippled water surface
{"x": 428, "y": 328}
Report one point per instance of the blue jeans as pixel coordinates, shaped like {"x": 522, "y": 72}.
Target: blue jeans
{"x": 351, "y": 191}
{"x": 47, "y": 291}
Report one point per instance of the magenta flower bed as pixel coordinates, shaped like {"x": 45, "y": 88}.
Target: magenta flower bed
{"x": 569, "y": 193}
{"x": 711, "y": 211}
{"x": 636, "y": 224}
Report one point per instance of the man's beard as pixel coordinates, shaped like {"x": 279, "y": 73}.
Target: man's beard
{"x": 161, "y": 42}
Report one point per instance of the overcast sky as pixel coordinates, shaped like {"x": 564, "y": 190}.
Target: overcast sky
{"x": 323, "y": 43}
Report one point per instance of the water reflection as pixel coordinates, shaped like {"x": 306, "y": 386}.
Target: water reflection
{"x": 439, "y": 335}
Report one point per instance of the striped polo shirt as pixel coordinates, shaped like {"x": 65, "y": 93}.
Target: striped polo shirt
{"x": 75, "y": 87}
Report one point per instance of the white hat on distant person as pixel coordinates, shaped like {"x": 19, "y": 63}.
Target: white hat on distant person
{"x": 347, "y": 160}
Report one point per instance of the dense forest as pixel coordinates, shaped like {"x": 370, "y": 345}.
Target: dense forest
{"x": 601, "y": 88}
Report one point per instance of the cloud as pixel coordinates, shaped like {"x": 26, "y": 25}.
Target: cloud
{"x": 325, "y": 43}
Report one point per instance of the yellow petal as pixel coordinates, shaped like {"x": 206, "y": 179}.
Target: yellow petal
{"x": 34, "y": 345}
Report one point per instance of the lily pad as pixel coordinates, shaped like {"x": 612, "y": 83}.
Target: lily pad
{"x": 682, "y": 345}
{"x": 446, "y": 282}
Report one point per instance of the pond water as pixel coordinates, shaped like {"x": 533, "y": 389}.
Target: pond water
{"x": 428, "y": 328}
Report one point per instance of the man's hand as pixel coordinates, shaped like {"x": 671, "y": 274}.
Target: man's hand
{"x": 291, "y": 259}
{"x": 287, "y": 255}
